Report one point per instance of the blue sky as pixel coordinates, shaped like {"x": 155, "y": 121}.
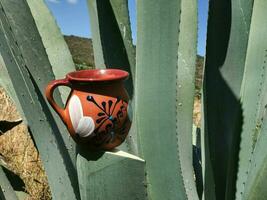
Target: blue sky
{"x": 73, "y": 19}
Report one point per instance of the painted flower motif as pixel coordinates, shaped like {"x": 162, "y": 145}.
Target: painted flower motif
{"x": 110, "y": 119}
{"x": 83, "y": 125}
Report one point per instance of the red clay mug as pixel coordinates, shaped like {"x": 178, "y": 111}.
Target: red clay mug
{"x": 96, "y": 111}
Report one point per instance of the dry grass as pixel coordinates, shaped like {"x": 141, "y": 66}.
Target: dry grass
{"x": 18, "y": 152}
{"x": 197, "y": 112}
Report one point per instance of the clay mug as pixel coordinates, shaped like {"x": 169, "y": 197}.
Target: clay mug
{"x": 96, "y": 111}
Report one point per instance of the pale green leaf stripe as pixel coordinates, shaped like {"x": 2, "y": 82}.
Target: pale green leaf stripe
{"x": 157, "y": 103}
{"x": 55, "y": 46}
{"x": 111, "y": 175}
{"x": 185, "y": 92}
{"x": 6, "y": 190}
{"x": 22, "y": 195}
{"x": 253, "y": 93}
{"x": 97, "y": 46}
{"x": 255, "y": 187}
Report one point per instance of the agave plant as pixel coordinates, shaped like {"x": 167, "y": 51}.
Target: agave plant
{"x": 156, "y": 160}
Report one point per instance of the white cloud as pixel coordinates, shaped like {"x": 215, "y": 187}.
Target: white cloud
{"x": 72, "y": 1}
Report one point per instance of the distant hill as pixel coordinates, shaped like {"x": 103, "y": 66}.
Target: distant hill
{"x": 83, "y": 57}
{"x": 81, "y": 50}
{"x": 199, "y": 74}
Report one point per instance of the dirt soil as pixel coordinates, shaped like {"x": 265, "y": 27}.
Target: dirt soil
{"x": 18, "y": 154}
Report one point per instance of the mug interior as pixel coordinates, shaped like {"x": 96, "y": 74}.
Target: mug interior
{"x": 96, "y": 75}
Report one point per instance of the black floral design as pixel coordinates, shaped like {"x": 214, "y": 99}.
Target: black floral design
{"x": 107, "y": 114}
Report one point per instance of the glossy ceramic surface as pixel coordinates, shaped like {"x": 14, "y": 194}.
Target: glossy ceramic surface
{"x": 96, "y": 112}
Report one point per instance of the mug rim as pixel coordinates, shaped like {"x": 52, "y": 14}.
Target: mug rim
{"x": 97, "y": 75}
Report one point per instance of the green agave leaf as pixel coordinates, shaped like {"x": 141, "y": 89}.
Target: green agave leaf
{"x": 58, "y": 55}
{"x": 29, "y": 69}
{"x": 185, "y": 92}
{"x": 22, "y": 195}
{"x": 121, "y": 12}
{"x": 35, "y": 57}
{"x": 111, "y": 175}
{"x": 255, "y": 187}
{"x": 111, "y": 34}
{"x": 228, "y": 30}
{"x": 55, "y": 46}
{"x": 253, "y": 94}
{"x": 6, "y": 190}
{"x": 164, "y": 95}
{"x": 207, "y": 170}
{"x": 96, "y": 33}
